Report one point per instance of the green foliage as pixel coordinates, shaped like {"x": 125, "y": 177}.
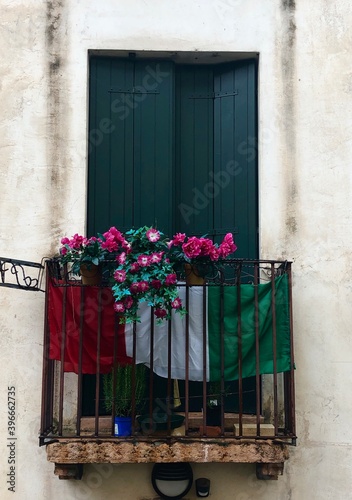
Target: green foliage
{"x": 145, "y": 274}
{"x": 123, "y": 389}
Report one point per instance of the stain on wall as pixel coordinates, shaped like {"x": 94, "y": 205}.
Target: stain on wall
{"x": 287, "y": 61}
{"x": 289, "y": 4}
{"x": 57, "y": 115}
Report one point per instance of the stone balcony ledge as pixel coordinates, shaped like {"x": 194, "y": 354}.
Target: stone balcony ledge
{"x": 70, "y": 455}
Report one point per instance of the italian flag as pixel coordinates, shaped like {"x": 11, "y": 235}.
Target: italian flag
{"x": 205, "y": 331}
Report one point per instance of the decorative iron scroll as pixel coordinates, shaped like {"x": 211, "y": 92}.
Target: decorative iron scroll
{"x": 21, "y": 274}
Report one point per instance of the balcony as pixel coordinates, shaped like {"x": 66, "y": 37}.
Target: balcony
{"x": 233, "y": 347}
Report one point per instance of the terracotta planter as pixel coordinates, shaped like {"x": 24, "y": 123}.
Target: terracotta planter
{"x": 91, "y": 275}
{"x": 192, "y": 275}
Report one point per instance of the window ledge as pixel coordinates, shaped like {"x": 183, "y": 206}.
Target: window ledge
{"x": 69, "y": 455}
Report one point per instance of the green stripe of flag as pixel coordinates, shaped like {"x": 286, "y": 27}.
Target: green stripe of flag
{"x": 247, "y": 293}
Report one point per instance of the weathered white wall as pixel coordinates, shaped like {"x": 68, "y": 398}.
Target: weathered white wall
{"x": 305, "y": 122}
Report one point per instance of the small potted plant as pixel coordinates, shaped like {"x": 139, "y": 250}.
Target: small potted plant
{"x": 122, "y": 397}
{"x": 198, "y": 255}
{"x": 213, "y": 411}
{"x": 86, "y": 255}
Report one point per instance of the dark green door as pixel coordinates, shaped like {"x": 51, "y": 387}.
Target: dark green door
{"x": 173, "y": 146}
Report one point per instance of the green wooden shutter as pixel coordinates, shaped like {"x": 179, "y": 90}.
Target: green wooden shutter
{"x": 131, "y": 144}
{"x": 153, "y": 147}
{"x": 216, "y": 161}
{"x": 194, "y": 149}
{"x": 235, "y": 157}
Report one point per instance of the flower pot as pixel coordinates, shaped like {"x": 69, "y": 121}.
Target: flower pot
{"x": 123, "y": 426}
{"x": 192, "y": 275}
{"x": 91, "y": 275}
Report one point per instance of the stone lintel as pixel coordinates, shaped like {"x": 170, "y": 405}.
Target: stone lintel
{"x": 197, "y": 451}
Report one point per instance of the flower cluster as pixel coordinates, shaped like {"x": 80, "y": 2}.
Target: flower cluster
{"x": 145, "y": 274}
{"x": 80, "y": 250}
{"x": 142, "y": 265}
{"x": 197, "y": 249}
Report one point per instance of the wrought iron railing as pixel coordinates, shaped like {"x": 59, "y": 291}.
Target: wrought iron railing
{"x": 234, "y": 345}
{"x": 21, "y": 274}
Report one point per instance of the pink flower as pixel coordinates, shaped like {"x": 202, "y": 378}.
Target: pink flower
{"x": 214, "y": 254}
{"x": 227, "y": 246}
{"x": 228, "y": 239}
{"x": 192, "y": 248}
{"x": 63, "y": 251}
{"x": 156, "y": 257}
{"x": 77, "y": 241}
{"x": 207, "y": 246}
{"x": 127, "y": 246}
{"x": 65, "y": 241}
{"x": 143, "y": 260}
{"x": 128, "y": 302}
{"x": 120, "y": 276}
{"x": 177, "y": 303}
{"x": 110, "y": 244}
{"x": 134, "y": 288}
{"x": 178, "y": 239}
{"x": 134, "y": 267}
{"x": 121, "y": 259}
{"x": 156, "y": 284}
{"x": 153, "y": 235}
{"x": 170, "y": 279}
{"x": 143, "y": 286}
{"x": 119, "y": 307}
{"x": 113, "y": 240}
{"x": 114, "y": 234}
{"x": 160, "y": 313}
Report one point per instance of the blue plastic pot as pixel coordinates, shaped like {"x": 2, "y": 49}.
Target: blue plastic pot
{"x": 123, "y": 426}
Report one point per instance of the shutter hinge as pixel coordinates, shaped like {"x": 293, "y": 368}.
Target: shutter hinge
{"x": 133, "y": 90}
{"x": 213, "y": 95}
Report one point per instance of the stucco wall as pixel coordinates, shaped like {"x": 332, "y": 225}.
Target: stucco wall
{"x": 305, "y": 155}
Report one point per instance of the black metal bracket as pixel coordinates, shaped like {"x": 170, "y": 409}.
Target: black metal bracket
{"x": 134, "y": 90}
{"x": 213, "y": 95}
{"x": 14, "y": 274}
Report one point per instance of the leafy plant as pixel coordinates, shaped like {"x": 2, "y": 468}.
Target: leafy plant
{"x": 145, "y": 274}
{"x": 80, "y": 250}
{"x": 199, "y": 252}
{"x": 123, "y": 389}
{"x": 214, "y": 398}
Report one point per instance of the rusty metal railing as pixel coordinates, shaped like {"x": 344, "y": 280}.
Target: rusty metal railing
{"x": 252, "y": 381}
